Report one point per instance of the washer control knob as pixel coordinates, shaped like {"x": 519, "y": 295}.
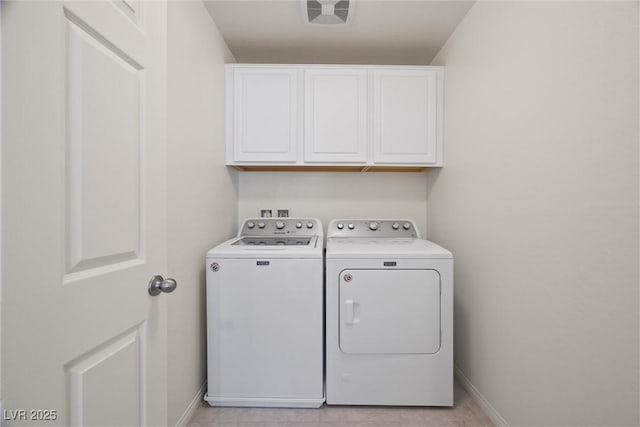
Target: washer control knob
{"x": 298, "y": 225}
{"x": 351, "y": 226}
{"x": 261, "y": 225}
{"x": 279, "y": 225}
{"x": 340, "y": 226}
{"x": 406, "y": 226}
{"x": 309, "y": 225}
{"x": 250, "y": 225}
{"x": 395, "y": 226}
{"x": 373, "y": 226}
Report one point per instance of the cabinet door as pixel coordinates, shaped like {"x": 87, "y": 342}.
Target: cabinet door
{"x": 265, "y": 115}
{"x": 406, "y": 116}
{"x": 335, "y": 116}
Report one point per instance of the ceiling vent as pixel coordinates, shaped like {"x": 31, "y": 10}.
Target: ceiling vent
{"x": 328, "y": 11}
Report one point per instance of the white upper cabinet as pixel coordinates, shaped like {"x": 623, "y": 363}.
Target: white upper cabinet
{"x": 359, "y": 116}
{"x": 264, "y": 119}
{"x": 335, "y": 111}
{"x": 406, "y": 117}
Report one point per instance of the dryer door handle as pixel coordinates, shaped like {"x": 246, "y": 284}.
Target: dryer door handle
{"x": 350, "y": 312}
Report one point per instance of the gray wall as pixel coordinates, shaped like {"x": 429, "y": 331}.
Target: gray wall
{"x": 538, "y": 201}
{"x": 202, "y": 192}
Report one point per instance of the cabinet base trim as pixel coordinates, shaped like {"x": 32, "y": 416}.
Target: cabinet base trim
{"x": 351, "y": 168}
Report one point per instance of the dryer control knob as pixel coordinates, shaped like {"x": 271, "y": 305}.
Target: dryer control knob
{"x": 340, "y": 226}
{"x": 351, "y": 226}
{"x": 261, "y": 225}
{"x": 250, "y": 225}
{"x": 373, "y": 226}
{"x": 406, "y": 226}
{"x": 279, "y": 225}
{"x": 309, "y": 225}
{"x": 298, "y": 225}
{"x": 395, "y": 226}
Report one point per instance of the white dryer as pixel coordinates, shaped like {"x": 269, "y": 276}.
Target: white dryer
{"x": 265, "y": 315}
{"x": 389, "y": 315}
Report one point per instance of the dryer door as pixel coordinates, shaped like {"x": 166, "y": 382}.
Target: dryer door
{"x": 389, "y": 311}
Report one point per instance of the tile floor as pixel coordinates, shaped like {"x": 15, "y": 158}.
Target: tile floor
{"x": 464, "y": 413}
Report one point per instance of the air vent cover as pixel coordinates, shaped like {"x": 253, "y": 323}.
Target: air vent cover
{"x": 328, "y": 11}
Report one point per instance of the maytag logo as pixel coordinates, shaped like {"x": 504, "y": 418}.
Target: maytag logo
{"x": 390, "y": 263}
{"x": 262, "y": 262}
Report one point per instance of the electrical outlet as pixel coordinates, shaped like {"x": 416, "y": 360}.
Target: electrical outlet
{"x": 265, "y": 213}
{"x": 283, "y": 213}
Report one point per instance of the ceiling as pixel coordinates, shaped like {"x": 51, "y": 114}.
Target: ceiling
{"x": 381, "y": 31}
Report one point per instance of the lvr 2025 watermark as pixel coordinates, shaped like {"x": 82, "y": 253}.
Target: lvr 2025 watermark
{"x": 30, "y": 414}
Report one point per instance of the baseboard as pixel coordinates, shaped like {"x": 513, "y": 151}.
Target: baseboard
{"x": 193, "y": 407}
{"x": 484, "y": 404}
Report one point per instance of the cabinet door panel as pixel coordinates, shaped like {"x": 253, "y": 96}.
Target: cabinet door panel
{"x": 265, "y": 115}
{"x": 335, "y": 116}
{"x": 405, "y": 116}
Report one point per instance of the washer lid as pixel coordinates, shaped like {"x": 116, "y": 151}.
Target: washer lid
{"x": 362, "y": 247}
{"x": 237, "y": 248}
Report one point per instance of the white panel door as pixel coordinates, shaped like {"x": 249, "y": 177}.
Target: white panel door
{"x": 335, "y": 116}
{"x": 83, "y": 160}
{"x": 389, "y": 311}
{"x": 405, "y": 116}
{"x": 265, "y": 114}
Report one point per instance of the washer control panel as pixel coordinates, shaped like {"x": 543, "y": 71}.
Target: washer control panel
{"x": 276, "y": 226}
{"x": 373, "y": 228}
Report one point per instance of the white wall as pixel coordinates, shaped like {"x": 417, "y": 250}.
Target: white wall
{"x": 329, "y": 195}
{"x": 202, "y": 192}
{"x": 538, "y": 201}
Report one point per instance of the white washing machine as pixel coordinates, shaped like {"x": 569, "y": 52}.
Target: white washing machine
{"x": 389, "y": 315}
{"x": 265, "y": 315}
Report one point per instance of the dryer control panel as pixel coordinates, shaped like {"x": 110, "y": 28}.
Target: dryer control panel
{"x": 392, "y": 228}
